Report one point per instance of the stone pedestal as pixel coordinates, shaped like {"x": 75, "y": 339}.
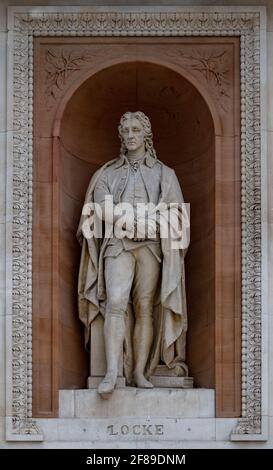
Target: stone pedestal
{"x": 164, "y": 377}
{"x": 131, "y": 402}
{"x": 135, "y": 416}
{"x": 93, "y": 382}
{"x": 171, "y": 382}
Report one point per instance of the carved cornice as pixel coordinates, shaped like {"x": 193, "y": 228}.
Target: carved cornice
{"x": 27, "y": 25}
{"x": 134, "y": 23}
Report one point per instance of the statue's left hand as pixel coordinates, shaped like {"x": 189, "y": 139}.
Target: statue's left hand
{"x": 145, "y": 228}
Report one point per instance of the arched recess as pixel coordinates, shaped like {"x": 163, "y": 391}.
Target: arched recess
{"x": 184, "y": 139}
{"x": 85, "y": 136}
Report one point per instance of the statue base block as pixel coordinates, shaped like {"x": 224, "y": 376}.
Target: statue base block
{"x": 171, "y": 382}
{"x": 139, "y": 402}
{"x": 93, "y": 382}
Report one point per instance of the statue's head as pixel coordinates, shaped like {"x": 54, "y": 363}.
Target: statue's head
{"x": 135, "y": 130}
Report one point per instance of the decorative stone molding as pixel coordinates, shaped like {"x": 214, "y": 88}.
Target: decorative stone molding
{"x": 59, "y": 69}
{"x": 213, "y": 69}
{"x": 25, "y": 23}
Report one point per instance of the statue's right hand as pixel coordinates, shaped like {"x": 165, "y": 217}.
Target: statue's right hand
{"x": 140, "y": 228}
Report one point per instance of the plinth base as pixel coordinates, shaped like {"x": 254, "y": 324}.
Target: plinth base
{"x": 171, "y": 382}
{"x": 139, "y": 402}
{"x": 93, "y": 382}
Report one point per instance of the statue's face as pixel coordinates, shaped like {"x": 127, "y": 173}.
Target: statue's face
{"x": 133, "y": 134}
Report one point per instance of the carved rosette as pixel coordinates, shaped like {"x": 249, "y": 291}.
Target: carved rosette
{"x": 27, "y": 25}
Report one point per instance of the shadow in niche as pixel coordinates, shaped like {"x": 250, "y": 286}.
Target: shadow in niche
{"x": 184, "y": 140}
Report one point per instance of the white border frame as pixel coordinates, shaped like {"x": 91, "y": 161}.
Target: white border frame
{"x": 249, "y": 23}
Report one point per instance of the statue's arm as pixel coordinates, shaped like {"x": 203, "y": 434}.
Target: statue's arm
{"x": 175, "y": 194}
{"x": 108, "y": 211}
{"x": 184, "y": 214}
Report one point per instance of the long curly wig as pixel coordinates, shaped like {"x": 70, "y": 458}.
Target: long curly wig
{"x": 146, "y": 124}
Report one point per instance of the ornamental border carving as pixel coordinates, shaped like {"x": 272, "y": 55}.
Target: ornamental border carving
{"x": 24, "y": 25}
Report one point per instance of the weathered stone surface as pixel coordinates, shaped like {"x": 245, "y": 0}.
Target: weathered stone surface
{"x": 137, "y": 402}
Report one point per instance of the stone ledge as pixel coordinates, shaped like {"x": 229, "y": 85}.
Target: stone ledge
{"x": 136, "y": 402}
{"x": 93, "y": 382}
{"x": 171, "y": 382}
{"x": 132, "y": 430}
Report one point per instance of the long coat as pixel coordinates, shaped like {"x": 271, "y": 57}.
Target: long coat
{"x": 169, "y": 315}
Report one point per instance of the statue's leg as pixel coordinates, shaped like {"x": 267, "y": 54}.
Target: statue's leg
{"x": 119, "y": 272}
{"x": 147, "y": 273}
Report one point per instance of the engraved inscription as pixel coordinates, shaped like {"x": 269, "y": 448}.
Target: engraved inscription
{"x": 135, "y": 430}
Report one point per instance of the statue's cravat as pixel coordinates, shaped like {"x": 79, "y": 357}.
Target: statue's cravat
{"x": 135, "y": 165}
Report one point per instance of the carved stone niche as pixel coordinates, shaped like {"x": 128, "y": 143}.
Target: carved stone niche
{"x": 55, "y": 60}
{"x": 190, "y": 90}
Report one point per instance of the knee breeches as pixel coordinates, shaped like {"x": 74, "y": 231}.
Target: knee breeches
{"x": 134, "y": 272}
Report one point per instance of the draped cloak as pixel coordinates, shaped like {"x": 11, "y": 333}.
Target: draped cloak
{"x": 169, "y": 313}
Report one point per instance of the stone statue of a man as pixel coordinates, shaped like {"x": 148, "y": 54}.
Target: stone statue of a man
{"x": 134, "y": 276}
